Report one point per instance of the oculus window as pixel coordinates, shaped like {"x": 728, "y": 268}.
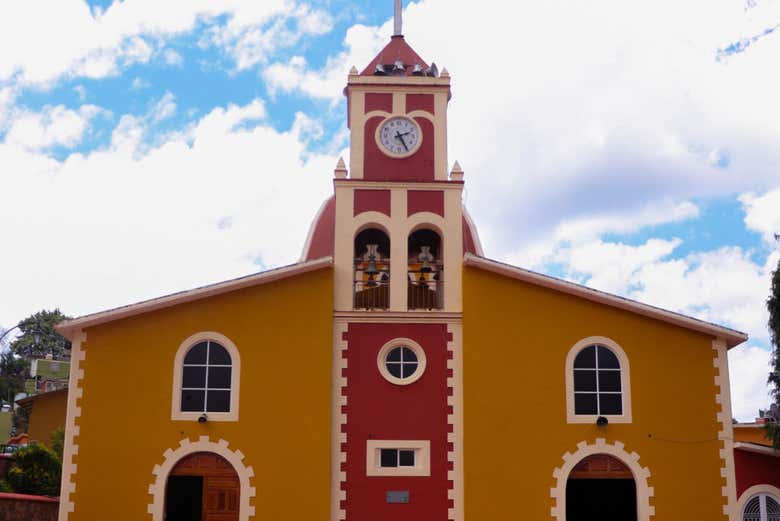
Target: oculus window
{"x": 401, "y": 361}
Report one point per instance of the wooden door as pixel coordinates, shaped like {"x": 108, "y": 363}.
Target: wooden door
{"x": 221, "y": 488}
{"x": 220, "y": 499}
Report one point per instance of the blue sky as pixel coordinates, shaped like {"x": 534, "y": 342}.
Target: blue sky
{"x": 631, "y": 146}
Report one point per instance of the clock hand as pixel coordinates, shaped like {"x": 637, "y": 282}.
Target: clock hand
{"x": 400, "y": 137}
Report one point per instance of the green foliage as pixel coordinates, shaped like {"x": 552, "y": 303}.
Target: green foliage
{"x": 773, "y": 305}
{"x": 57, "y": 439}
{"x": 39, "y": 338}
{"x": 4, "y": 486}
{"x": 12, "y": 373}
{"x": 36, "y": 470}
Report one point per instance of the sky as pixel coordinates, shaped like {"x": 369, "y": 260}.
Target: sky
{"x": 632, "y": 146}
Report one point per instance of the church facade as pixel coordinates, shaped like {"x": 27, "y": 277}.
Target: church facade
{"x": 396, "y": 372}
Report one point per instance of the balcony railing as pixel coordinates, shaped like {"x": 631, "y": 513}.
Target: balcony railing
{"x": 425, "y": 289}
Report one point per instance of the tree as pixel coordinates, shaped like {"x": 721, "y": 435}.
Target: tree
{"x": 38, "y": 337}
{"x": 36, "y": 469}
{"x": 12, "y": 373}
{"x": 773, "y": 305}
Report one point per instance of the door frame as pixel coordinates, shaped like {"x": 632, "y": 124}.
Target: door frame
{"x": 187, "y": 447}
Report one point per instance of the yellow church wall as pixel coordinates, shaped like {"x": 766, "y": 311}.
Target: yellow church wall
{"x": 516, "y": 339}
{"x": 283, "y": 333}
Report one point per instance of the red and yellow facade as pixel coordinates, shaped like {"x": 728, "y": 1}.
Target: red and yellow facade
{"x": 393, "y": 279}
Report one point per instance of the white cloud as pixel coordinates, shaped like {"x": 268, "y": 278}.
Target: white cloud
{"x": 748, "y": 370}
{"x": 173, "y": 58}
{"x": 227, "y": 197}
{"x": 164, "y": 108}
{"x": 249, "y": 44}
{"x": 71, "y": 39}
{"x": 612, "y": 266}
{"x": 361, "y": 42}
{"x": 139, "y": 84}
{"x": 52, "y": 126}
{"x": 762, "y": 213}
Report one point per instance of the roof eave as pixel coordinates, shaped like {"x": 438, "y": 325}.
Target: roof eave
{"x": 732, "y": 337}
{"x": 70, "y": 328}
{"x": 756, "y": 448}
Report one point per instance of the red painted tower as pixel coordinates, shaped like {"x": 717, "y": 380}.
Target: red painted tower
{"x": 397, "y": 232}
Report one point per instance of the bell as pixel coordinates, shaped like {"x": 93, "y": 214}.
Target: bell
{"x": 371, "y": 270}
{"x": 426, "y": 257}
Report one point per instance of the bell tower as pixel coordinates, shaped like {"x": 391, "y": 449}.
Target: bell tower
{"x": 398, "y": 245}
{"x": 398, "y": 218}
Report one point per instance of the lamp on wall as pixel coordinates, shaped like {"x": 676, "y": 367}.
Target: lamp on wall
{"x": 203, "y": 418}
{"x": 601, "y": 421}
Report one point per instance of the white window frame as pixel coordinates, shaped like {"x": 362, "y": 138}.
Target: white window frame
{"x": 401, "y": 342}
{"x": 235, "y": 377}
{"x": 756, "y": 490}
{"x": 625, "y": 381}
{"x": 422, "y": 457}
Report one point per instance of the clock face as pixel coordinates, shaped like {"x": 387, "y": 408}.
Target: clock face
{"x": 399, "y": 136}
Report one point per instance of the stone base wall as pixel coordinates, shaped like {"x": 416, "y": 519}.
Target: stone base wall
{"x": 20, "y": 507}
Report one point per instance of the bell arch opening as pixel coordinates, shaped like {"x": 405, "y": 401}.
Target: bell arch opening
{"x": 372, "y": 270}
{"x": 601, "y": 487}
{"x": 425, "y": 269}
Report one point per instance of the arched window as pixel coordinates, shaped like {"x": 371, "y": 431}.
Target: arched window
{"x": 372, "y": 270}
{"x": 425, "y": 270}
{"x": 206, "y": 376}
{"x": 762, "y": 507}
{"x": 597, "y": 382}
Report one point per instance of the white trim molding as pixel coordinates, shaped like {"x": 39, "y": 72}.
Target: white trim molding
{"x": 71, "y": 327}
{"x": 625, "y": 381}
{"x": 422, "y": 457}
{"x": 455, "y": 420}
{"x": 235, "y": 378}
{"x": 756, "y": 448}
{"x": 338, "y": 438}
{"x": 644, "y": 492}
{"x": 731, "y": 336}
{"x": 381, "y": 360}
{"x": 726, "y": 432}
{"x": 71, "y": 448}
{"x": 755, "y": 490}
{"x": 204, "y": 444}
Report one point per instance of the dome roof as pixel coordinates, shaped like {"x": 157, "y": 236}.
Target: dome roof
{"x": 322, "y": 233}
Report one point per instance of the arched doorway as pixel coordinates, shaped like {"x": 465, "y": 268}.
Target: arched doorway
{"x": 202, "y": 487}
{"x": 601, "y": 488}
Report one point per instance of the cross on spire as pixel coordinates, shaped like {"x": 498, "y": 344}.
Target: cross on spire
{"x": 398, "y": 30}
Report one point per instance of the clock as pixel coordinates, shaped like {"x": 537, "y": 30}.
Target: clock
{"x": 399, "y": 136}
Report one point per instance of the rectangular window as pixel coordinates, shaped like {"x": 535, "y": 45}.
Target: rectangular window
{"x": 392, "y": 458}
{"x": 398, "y": 458}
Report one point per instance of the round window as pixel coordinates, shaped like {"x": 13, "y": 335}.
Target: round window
{"x": 401, "y": 361}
